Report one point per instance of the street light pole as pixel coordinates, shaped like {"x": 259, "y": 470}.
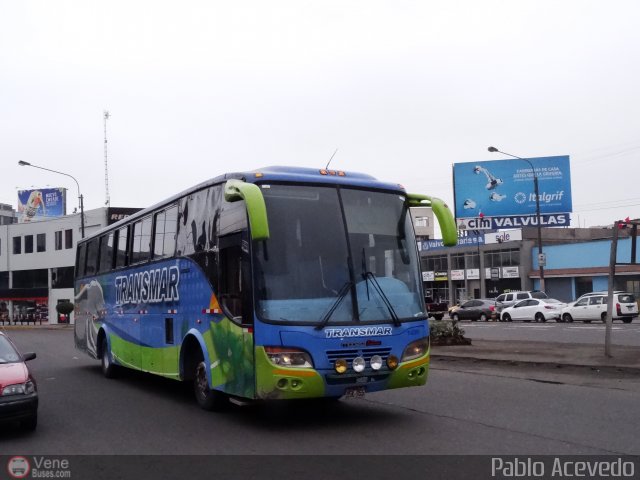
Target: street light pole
{"x": 22, "y": 163}
{"x": 538, "y": 218}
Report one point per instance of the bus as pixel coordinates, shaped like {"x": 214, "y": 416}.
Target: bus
{"x": 279, "y": 283}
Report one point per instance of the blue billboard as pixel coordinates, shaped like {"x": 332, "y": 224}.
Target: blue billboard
{"x": 501, "y": 188}
{"x": 41, "y": 203}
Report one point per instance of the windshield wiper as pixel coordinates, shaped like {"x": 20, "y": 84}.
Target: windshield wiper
{"x": 366, "y": 275}
{"x": 341, "y": 294}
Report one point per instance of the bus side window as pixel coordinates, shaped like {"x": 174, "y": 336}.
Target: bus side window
{"x": 81, "y": 260}
{"x": 92, "y": 257}
{"x": 230, "y": 278}
{"x": 121, "y": 252}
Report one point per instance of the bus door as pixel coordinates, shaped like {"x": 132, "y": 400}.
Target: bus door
{"x": 235, "y": 343}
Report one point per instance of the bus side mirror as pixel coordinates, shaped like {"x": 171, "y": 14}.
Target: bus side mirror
{"x": 235, "y": 190}
{"x": 443, "y": 214}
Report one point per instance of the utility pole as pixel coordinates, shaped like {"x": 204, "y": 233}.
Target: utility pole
{"x": 106, "y": 164}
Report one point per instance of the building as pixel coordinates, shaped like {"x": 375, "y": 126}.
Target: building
{"x": 37, "y": 265}
{"x": 485, "y": 265}
{"x": 7, "y": 214}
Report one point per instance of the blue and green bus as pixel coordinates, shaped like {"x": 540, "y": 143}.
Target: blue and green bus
{"x": 280, "y": 283}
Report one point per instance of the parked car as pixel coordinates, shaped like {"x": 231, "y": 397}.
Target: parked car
{"x": 18, "y": 388}
{"x": 478, "y": 309}
{"x": 537, "y": 309}
{"x": 594, "y": 307}
{"x": 511, "y": 298}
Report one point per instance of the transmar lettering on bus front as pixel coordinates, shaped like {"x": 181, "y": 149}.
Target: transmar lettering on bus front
{"x": 357, "y": 332}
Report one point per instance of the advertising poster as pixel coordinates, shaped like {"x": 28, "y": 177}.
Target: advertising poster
{"x": 41, "y": 203}
{"x": 501, "y": 188}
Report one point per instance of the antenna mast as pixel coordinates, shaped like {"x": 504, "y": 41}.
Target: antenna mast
{"x": 106, "y": 164}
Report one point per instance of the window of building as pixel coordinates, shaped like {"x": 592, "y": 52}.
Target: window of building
{"x": 38, "y": 278}
{"x": 438, "y": 264}
{"x": 57, "y": 238}
{"x": 28, "y": 244}
{"x": 502, "y": 258}
{"x": 422, "y": 222}
{"x": 62, "y": 277}
{"x": 17, "y": 245}
{"x": 41, "y": 242}
{"x": 472, "y": 260}
{"x": 457, "y": 261}
{"x": 68, "y": 238}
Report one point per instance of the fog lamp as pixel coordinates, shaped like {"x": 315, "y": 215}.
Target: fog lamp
{"x": 340, "y": 365}
{"x": 392, "y": 362}
{"x": 376, "y": 362}
{"x": 358, "y": 364}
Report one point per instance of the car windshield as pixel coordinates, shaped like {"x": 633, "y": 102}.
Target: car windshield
{"x": 538, "y": 295}
{"x": 626, "y": 298}
{"x": 8, "y": 354}
{"x": 336, "y": 255}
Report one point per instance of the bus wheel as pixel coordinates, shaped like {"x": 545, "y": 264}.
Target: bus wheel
{"x": 208, "y": 399}
{"x": 109, "y": 369}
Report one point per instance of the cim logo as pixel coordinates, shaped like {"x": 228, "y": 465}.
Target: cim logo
{"x": 18, "y": 467}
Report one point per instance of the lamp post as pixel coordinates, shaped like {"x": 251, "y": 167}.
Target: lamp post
{"x": 538, "y": 218}
{"x": 22, "y": 163}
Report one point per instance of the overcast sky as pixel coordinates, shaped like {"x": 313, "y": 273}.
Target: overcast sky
{"x": 403, "y": 90}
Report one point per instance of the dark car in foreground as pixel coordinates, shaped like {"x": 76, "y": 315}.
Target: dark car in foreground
{"x": 478, "y": 309}
{"x": 18, "y": 389}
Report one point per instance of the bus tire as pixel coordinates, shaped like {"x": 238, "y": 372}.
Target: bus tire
{"x": 207, "y": 398}
{"x": 109, "y": 369}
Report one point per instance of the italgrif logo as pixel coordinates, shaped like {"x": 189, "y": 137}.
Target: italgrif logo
{"x": 150, "y": 286}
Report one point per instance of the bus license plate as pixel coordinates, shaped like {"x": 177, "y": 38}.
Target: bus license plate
{"x": 354, "y": 392}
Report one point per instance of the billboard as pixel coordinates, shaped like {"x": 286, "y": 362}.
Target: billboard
{"x": 40, "y": 204}
{"x": 505, "y": 188}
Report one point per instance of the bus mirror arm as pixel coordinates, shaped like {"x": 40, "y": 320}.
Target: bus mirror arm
{"x": 442, "y": 213}
{"x": 235, "y": 190}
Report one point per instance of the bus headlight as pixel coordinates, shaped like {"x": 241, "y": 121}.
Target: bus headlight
{"x": 415, "y": 349}
{"x": 288, "y": 357}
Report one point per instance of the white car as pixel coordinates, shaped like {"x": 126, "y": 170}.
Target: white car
{"x": 538, "y": 309}
{"x": 594, "y": 307}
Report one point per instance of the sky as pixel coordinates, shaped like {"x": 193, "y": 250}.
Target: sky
{"x": 402, "y": 89}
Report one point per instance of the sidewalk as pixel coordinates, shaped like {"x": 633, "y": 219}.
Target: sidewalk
{"x": 31, "y": 325}
{"x": 555, "y": 353}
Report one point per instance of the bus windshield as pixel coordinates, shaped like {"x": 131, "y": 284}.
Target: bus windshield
{"x": 336, "y": 256}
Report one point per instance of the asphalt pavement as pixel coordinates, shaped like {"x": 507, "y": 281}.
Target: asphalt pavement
{"x": 622, "y": 357}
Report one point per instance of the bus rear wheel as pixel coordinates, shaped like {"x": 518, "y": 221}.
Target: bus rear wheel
{"x": 207, "y": 399}
{"x": 109, "y": 369}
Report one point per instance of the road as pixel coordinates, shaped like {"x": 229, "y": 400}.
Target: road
{"x": 593, "y": 333}
{"x": 465, "y": 408}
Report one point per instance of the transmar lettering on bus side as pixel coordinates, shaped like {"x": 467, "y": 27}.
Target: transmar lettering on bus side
{"x": 357, "y": 332}
{"x": 150, "y": 286}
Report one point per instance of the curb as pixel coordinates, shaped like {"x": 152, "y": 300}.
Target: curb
{"x": 37, "y": 327}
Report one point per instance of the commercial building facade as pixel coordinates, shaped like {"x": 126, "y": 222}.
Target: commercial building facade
{"x": 486, "y": 265}
{"x": 37, "y": 265}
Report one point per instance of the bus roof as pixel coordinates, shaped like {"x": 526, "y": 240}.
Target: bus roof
{"x": 274, "y": 174}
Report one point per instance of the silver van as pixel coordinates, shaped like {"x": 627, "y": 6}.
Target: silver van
{"x": 511, "y": 298}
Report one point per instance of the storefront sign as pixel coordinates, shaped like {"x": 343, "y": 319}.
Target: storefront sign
{"x": 510, "y": 272}
{"x": 457, "y": 274}
{"x": 473, "y": 274}
{"x": 428, "y": 276}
